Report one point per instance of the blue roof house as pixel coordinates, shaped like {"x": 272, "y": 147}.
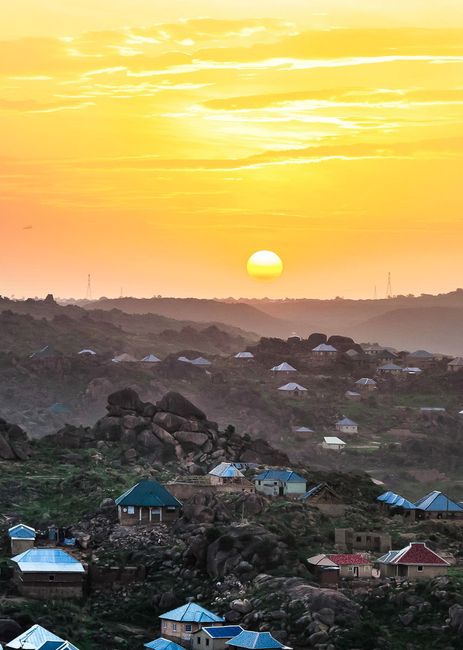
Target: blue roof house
{"x": 280, "y": 482}
{"x": 214, "y": 638}
{"x": 149, "y": 503}
{"x": 179, "y": 624}
{"x": 438, "y": 505}
{"x": 163, "y": 644}
{"x": 230, "y": 478}
{"x": 257, "y": 640}
{"x": 33, "y": 639}
{"x": 22, "y": 538}
{"x": 48, "y": 573}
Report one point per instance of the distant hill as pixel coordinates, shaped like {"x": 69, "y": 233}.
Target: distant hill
{"x": 236, "y": 314}
{"x": 410, "y": 322}
{"x": 438, "y": 329}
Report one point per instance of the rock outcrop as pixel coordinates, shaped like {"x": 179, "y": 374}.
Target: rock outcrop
{"x": 14, "y": 442}
{"x": 173, "y": 429}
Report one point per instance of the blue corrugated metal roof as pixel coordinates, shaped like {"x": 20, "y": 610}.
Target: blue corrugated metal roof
{"x": 21, "y": 531}
{"x": 312, "y": 491}
{"x": 163, "y": 644}
{"x": 393, "y": 499}
{"x": 347, "y": 422}
{"x": 47, "y": 559}
{"x": 258, "y": 640}
{"x": 192, "y": 613}
{"x": 57, "y": 645}
{"x": 223, "y": 631}
{"x": 226, "y": 470}
{"x": 384, "y": 496}
{"x": 280, "y": 475}
{"x": 34, "y": 638}
{"x": 436, "y": 501}
{"x": 148, "y": 493}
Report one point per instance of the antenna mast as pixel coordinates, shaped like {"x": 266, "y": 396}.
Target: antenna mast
{"x": 389, "y": 286}
{"x": 88, "y": 293}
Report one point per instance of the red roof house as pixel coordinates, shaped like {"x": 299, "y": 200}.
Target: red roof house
{"x": 351, "y": 565}
{"x": 415, "y": 561}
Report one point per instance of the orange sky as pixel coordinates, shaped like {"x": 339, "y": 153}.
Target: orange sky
{"x": 158, "y": 144}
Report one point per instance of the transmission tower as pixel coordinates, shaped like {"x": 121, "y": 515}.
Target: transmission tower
{"x": 88, "y": 293}
{"x": 389, "y": 286}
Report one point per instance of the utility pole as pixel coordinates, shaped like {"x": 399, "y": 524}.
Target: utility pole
{"x": 88, "y": 294}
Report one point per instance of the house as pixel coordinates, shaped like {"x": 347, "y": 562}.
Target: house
{"x": 385, "y": 356}
{"x": 420, "y": 358}
{"x": 48, "y": 573}
{"x": 151, "y": 358}
{"x": 342, "y": 565}
{"x": 244, "y": 355}
{"x": 179, "y": 624}
{"x": 302, "y": 429}
{"x": 353, "y": 540}
{"x": 147, "y": 502}
{"x": 124, "y": 358}
{"x": 283, "y": 367}
{"x": 352, "y": 396}
{"x": 325, "y": 499}
{"x": 345, "y": 425}
{"x": 200, "y": 361}
{"x": 431, "y": 410}
{"x": 414, "y": 562}
{"x": 292, "y": 389}
{"x": 39, "y": 638}
{"x": 412, "y": 371}
{"x": 351, "y": 565}
{"x": 163, "y": 644}
{"x": 334, "y": 443}
{"x": 261, "y": 640}
{"x": 214, "y": 638}
{"x": 325, "y": 351}
{"x": 325, "y": 571}
{"x": 22, "y": 538}
{"x": 437, "y": 505}
{"x": 366, "y": 384}
{"x": 280, "y": 482}
{"x": 455, "y": 365}
{"x": 389, "y": 369}
{"x": 227, "y": 474}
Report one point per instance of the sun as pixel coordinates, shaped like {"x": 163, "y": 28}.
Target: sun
{"x": 265, "y": 265}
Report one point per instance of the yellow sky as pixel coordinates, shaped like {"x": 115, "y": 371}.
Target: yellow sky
{"x": 156, "y": 145}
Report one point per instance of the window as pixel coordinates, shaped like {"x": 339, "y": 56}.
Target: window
{"x": 130, "y": 510}
{"x": 164, "y": 625}
{"x": 198, "y": 639}
{"x": 174, "y": 627}
{"x": 419, "y": 567}
{"x": 358, "y": 538}
{"x": 51, "y": 578}
{"x": 188, "y": 627}
{"x": 207, "y": 641}
{"x": 350, "y": 569}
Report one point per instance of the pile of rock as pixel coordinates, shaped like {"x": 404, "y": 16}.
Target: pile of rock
{"x": 173, "y": 429}
{"x": 14, "y": 442}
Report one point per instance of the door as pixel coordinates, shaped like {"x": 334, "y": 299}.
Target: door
{"x": 356, "y": 572}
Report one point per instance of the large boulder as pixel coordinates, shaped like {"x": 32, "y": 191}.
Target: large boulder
{"x": 169, "y": 421}
{"x": 173, "y": 402}
{"x": 9, "y": 630}
{"x": 127, "y": 399}
{"x": 195, "y": 438}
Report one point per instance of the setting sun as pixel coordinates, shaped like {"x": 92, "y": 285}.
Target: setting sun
{"x": 265, "y": 265}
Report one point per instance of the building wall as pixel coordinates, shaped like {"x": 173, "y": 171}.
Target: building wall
{"x": 349, "y": 539}
{"x": 347, "y": 571}
{"x": 272, "y": 488}
{"x": 20, "y": 545}
{"x": 347, "y": 428}
{"x": 141, "y": 515}
{"x": 178, "y": 631}
{"x": 325, "y": 445}
{"x": 41, "y": 586}
{"x": 411, "y": 572}
{"x": 188, "y": 490}
{"x": 202, "y": 641}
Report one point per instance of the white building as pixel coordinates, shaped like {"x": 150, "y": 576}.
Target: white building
{"x": 293, "y": 389}
{"x": 347, "y": 426}
{"x": 334, "y": 443}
